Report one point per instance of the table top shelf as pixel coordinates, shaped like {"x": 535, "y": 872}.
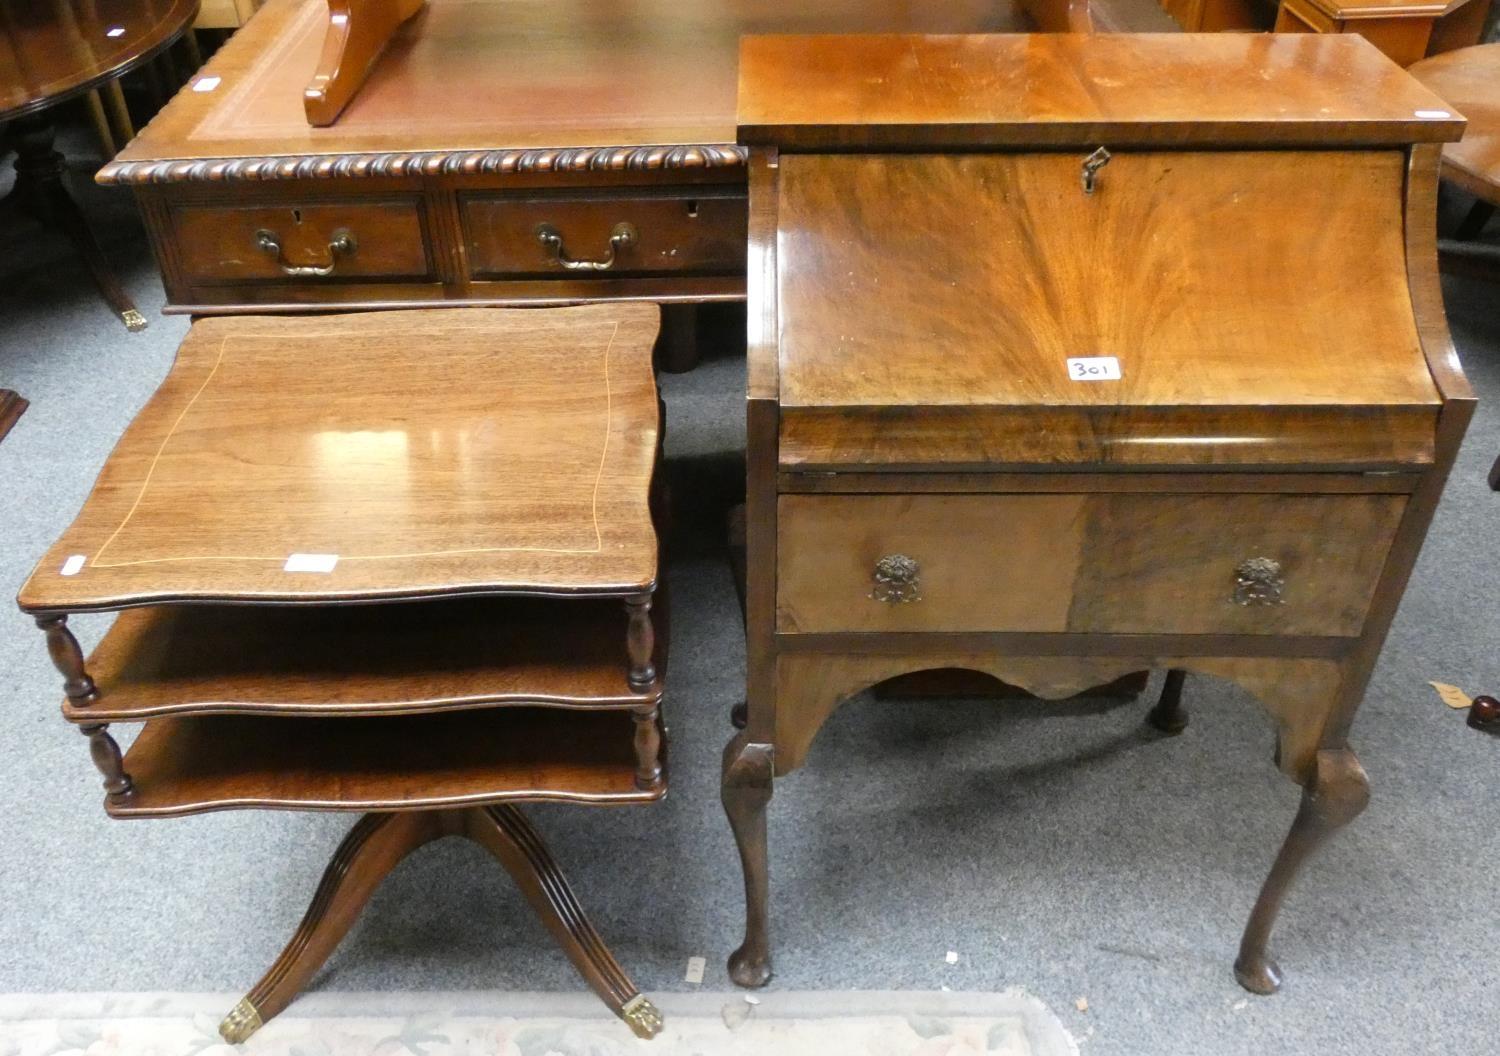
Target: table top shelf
{"x": 340, "y": 661}
{"x": 378, "y": 457}
{"x": 198, "y": 764}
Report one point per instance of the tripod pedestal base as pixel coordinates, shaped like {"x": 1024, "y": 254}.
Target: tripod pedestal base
{"x": 40, "y": 193}
{"x": 375, "y": 846}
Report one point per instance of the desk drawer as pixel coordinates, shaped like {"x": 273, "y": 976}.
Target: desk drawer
{"x": 318, "y": 241}
{"x": 1117, "y": 563}
{"x": 699, "y": 231}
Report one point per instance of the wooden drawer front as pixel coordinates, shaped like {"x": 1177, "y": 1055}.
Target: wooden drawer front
{"x": 1120, "y": 563}
{"x": 224, "y": 244}
{"x": 691, "y": 232}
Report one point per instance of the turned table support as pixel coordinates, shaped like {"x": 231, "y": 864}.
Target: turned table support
{"x": 67, "y": 657}
{"x": 376, "y": 845}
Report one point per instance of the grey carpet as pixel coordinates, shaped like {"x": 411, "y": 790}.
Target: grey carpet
{"x": 1059, "y": 848}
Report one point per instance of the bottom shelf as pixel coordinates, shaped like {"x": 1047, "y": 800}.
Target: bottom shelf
{"x": 192, "y": 765}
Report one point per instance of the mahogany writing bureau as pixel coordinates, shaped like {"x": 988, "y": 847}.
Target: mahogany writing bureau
{"x": 1072, "y": 356}
{"x": 412, "y": 576}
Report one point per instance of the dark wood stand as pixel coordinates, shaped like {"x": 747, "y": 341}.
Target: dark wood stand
{"x": 426, "y": 682}
{"x": 39, "y": 192}
{"x": 376, "y": 844}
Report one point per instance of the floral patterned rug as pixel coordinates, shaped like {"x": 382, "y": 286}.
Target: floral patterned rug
{"x": 478, "y": 1023}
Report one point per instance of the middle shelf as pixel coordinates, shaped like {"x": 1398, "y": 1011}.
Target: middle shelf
{"x": 349, "y": 660}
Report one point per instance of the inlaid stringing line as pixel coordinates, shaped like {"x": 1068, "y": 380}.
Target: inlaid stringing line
{"x": 141, "y": 495}
{"x": 594, "y": 503}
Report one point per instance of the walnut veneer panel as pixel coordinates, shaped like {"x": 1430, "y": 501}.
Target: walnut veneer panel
{"x": 1469, "y": 79}
{"x": 435, "y": 452}
{"x": 1101, "y": 563}
{"x": 928, "y": 305}
{"x": 802, "y": 93}
{"x": 363, "y": 659}
{"x": 192, "y": 765}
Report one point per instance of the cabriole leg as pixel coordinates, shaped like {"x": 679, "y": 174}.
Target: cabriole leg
{"x": 1335, "y": 795}
{"x": 746, "y": 790}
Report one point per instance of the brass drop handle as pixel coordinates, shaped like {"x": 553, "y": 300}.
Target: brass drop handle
{"x": 340, "y": 245}
{"x": 1259, "y": 581}
{"x": 623, "y": 236}
{"x": 897, "y": 579}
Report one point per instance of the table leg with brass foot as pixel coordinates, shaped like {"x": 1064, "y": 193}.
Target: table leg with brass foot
{"x": 376, "y": 844}
{"x": 505, "y": 832}
{"x": 1335, "y": 795}
{"x": 40, "y": 192}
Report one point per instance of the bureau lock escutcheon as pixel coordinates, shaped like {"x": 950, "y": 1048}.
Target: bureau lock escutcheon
{"x": 897, "y": 580}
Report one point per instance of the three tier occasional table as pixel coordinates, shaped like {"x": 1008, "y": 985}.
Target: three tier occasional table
{"x": 401, "y": 564}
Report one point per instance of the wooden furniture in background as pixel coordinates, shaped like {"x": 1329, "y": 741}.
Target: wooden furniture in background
{"x": 1470, "y": 80}
{"x": 419, "y": 570}
{"x": 358, "y": 31}
{"x": 11, "y": 408}
{"x": 225, "y": 14}
{"x": 52, "y": 51}
{"x": 1220, "y": 16}
{"x": 1016, "y": 406}
{"x": 497, "y": 154}
{"x": 1406, "y": 30}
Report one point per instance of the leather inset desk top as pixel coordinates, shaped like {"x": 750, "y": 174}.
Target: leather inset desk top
{"x": 434, "y": 452}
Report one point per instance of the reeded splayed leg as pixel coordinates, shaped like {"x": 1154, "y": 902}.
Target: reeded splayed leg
{"x": 506, "y": 833}
{"x": 1335, "y": 796}
{"x": 1169, "y": 716}
{"x": 746, "y": 790}
{"x": 376, "y": 844}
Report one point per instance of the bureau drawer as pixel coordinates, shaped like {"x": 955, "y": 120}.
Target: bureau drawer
{"x": 693, "y": 232}
{"x": 323, "y": 241}
{"x": 1118, "y": 563}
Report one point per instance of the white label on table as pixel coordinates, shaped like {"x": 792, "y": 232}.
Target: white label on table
{"x": 694, "y": 973}
{"x": 1433, "y": 115}
{"x": 1094, "y": 368}
{"x": 310, "y": 563}
{"x": 74, "y": 565}
{"x": 206, "y": 84}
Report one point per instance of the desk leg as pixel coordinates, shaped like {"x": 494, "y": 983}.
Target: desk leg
{"x": 1169, "y": 716}
{"x": 1334, "y": 797}
{"x": 746, "y": 791}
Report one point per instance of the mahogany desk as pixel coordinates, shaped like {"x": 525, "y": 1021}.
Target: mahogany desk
{"x": 483, "y": 127}
{"x": 1017, "y": 405}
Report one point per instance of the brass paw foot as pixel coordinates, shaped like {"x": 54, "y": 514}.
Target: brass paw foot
{"x": 243, "y": 1020}
{"x": 1260, "y": 976}
{"x": 642, "y": 1017}
{"x": 134, "y": 321}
